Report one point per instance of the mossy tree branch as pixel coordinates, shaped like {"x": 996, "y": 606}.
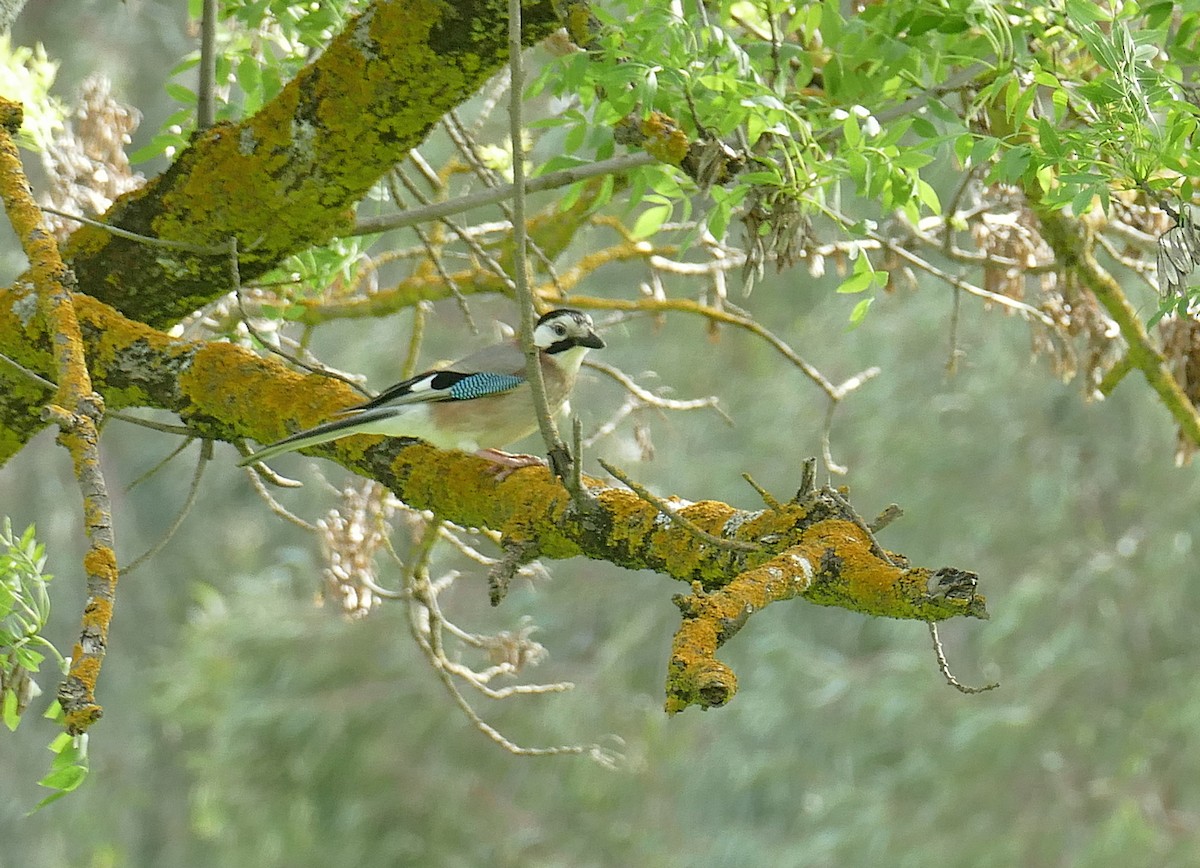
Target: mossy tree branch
{"x": 814, "y": 549}
{"x": 1073, "y": 242}
{"x": 76, "y": 409}
{"x": 289, "y": 176}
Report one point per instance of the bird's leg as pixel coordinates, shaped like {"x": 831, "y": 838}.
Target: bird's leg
{"x": 507, "y": 462}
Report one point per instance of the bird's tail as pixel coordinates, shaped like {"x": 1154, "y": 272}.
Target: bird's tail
{"x": 322, "y": 433}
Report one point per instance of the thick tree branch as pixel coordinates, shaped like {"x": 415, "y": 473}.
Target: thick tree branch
{"x": 1073, "y": 242}
{"x": 287, "y": 177}
{"x": 814, "y": 548}
{"x": 76, "y": 409}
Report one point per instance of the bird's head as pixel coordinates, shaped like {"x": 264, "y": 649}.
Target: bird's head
{"x": 565, "y": 329}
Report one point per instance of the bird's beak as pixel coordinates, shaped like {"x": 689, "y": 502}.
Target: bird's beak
{"x": 592, "y": 340}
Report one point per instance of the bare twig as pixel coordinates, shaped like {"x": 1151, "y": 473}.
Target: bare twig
{"x": 265, "y": 471}
{"x": 236, "y": 281}
{"x": 184, "y": 444}
{"x": 876, "y": 549}
{"x": 33, "y": 375}
{"x": 206, "y": 108}
{"x": 133, "y": 236}
{"x": 650, "y": 399}
{"x": 560, "y": 457}
{"x": 890, "y": 513}
{"x": 77, "y": 409}
{"x": 549, "y": 181}
{"x": 161, "y": 427}
{"x": 673, "y": 515}
{"x": 427, "y": 624}
{"x": 768, "y": 498}
{"x": 188, "y": 503}
{"x": 256, "y": 474}
{"x": 431, "y": 249}
{"x": 1027, "y": 311}
{"x": 944, "y": 666}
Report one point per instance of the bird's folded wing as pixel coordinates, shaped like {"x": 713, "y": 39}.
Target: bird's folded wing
{"x": 442, "y": 386}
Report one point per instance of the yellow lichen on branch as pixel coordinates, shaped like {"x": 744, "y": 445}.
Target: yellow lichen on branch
{"x": 76, "y": 409}
{"x": 290, "y": 175}
{"x": 834, "y": 562}
{"x": 1073, "y": 241}
{"x": 226, "y": 391}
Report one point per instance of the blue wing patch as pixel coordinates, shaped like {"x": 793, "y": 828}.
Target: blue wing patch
{"x": 482, "y": 385}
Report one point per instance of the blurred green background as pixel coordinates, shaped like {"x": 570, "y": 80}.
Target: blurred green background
{"x": 244, "y": 725}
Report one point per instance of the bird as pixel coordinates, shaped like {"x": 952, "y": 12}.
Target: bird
{"x": 478, "y": 404}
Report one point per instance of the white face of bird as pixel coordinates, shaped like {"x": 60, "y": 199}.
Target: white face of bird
{"x": 564, "y": 329}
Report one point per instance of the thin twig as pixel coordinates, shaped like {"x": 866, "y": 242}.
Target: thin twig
{"x": 161, "y": 427}
{"x": 827, "y": 441}
{"x": 1114, "y": 375}
{"x": 188, "y": 503}
{"x": 944, "y": 666}
{"x": 768, "y": 498}
{"x": 955, "y": 352}
{"x": 133, "y": 236}
{"x": 33, "y": 375}
{"x": 550, "y": 181}
{"x": 651, "y": 305}
{"x": 890, "y": 513}
{"x": 427, "y": 633}
{"x": 462, "y": 141}
{"x": 560, "y": 458}
{"x": 184, "y": 444}
{"x": 431, "y": 249}
{"x": 928, "y": 267}
{"x": 420, "y": 315}
{"x": 206, "y": 108}
{"x": 876, "y": 549}
{"x": 235, "y": 278}
{"x": 576, "y": 483}
{"x": 265, "y": 470}
{"x": 256, "y": 474}
{"x": 650, "y": 399}
{"x": 672, "y": 515}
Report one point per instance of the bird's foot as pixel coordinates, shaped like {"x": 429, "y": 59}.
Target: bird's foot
{"x": 507, "y": 462}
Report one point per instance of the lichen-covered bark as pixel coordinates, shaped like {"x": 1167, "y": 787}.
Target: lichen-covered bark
{"x": 76, "y": 408}
{"x": 815, "y": 549}
{"x": 1074, "y": 244}
{"x": 289, "y": 176}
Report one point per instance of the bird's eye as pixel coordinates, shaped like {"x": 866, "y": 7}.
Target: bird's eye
{"x": 560, "y": 329}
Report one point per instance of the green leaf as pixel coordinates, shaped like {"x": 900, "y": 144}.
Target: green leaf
{"x": 851, "y": 131}
{"x": 651, "y": 220}
{"x": 1086, "y": 11}
{"x": 928, "y": 196}
{"x": 1049, "y": 140}
{"x": 9, "y": 710}
{"x": 180, "y": 94}
{"x": 924, "y": 128}
{"x": 66, "y": 778}
{"x": 28, "y": 658}
{"x": 983, "y": 149}
{"x": 912, "y": 159}
{"x": 575, "y": 138}
{"x": 1082, "y": 202}
{"x": 718, "y": 219}
{"x": 859, "y": 313}
{"x": 858, "y": 282}
{"x": 1013, "y": 164}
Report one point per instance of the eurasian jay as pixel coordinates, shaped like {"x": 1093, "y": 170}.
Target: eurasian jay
{"x": 477, "y": 404}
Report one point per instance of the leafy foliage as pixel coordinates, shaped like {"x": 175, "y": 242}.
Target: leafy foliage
{"x": 825, "y": 133}
{"x": 262, "y": 45}
{"x": 24, "y": 611}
